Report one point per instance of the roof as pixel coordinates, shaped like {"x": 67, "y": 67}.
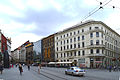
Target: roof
{"x": 87, "y": 23}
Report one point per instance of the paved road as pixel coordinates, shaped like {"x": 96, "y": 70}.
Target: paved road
{"x": 56, "y": 74}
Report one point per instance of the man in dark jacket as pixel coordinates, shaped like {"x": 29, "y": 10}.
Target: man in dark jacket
{"x": 1, "y": 68}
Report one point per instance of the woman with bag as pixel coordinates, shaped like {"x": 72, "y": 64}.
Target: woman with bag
{"x": 20, "y": 69}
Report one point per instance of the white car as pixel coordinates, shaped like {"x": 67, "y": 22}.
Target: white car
{"x": 75, "y": 71}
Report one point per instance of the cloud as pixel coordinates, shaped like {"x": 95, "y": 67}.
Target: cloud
{"x": 22, "y": 38}
{"x": 21, "y": 19}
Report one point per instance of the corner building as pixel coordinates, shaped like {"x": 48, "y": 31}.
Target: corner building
{"x": 90, "y": 44}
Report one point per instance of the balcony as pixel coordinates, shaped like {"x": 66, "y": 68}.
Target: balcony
{"x": 96, "y": 30}
{"x": 96, "y": 46}
{"x": 95, "y": 55}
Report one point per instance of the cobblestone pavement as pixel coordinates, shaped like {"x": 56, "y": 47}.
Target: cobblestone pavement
{"x": 48, "y": 73}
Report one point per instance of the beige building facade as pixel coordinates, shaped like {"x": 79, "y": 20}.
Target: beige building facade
{"x": 90, "y": 44}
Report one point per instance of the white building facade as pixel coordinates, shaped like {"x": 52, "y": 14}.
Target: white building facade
{"x": 22, "y": 54}
{"x": 90, "y": 44}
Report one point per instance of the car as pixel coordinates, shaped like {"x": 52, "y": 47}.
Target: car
{"x": 35, "y": 64}
{"x": 75, "y": 71}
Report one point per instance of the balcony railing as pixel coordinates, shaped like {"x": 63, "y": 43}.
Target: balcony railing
{"x": 96, "y": 46}
{"x": 95, "y": 55}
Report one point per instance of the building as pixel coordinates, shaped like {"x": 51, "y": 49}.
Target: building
{"x": 9, "y": 47}
{"x": 29, "y": 53}
{"x": 48, "y": 52}
{"x": 37, "y": 51}
{"x": 22, "y": 54}
{"x": 90, "y": 44}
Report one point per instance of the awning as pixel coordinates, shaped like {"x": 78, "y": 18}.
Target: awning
{"x": 98, "y": 61}
{"x": 59, "y": 62}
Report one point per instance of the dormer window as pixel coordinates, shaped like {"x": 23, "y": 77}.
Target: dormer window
{"x": 96, "y": 27}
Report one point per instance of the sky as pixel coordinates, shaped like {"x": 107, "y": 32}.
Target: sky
{"x": 33, "y": 20}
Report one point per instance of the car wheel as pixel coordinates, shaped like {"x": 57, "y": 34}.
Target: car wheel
{"x": 72, "y": 74}
{"x": 82, "y": 75}
{"x": 65, "y": 72}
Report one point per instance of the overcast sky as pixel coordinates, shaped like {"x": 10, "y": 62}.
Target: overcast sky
{"x": 32, "y": 20}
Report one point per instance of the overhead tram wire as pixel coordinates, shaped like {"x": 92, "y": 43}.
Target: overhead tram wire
{"x": 92, "y": 12}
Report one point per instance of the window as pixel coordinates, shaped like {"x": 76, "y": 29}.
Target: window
{"x": 78, "y": 31}
{"x": 57, "y": 38}
{"x": 74, "y": 33}
{"x": 82, "y": 30}
{"x": 83, "y": 44}
{"x": 64, "y": 47}
{"x": 91, "y": 42}
{"x": 75, "y": 53}
{"x": 83, "y": 37}
{"x": 97, "y": 34}
{"x": 74, "y": 45}
{"x": 78, "y": 38}
{"x": 57, "y": 55}
{"x": 61, "y": 36}
{"x": 71, "y": 46}
{"x": 64, "y": 54}
{"x": 64, "y": 35}
{"x": 61, "y": 48}
{"x": 74, "y": 39}
{"x": 67, "y": 41}
{"x": 102, "y": 35}
{"x": 64, "y": 41}
{"x": 57, "y": 43}
{"x": 71, "y": 34}
{"x": 61, "y": 42}
{"x": 102, "y": 51}
{"x": 89, "y": 28}
{"x": 97, "y": 50}
{"x": 67, "y": 35}
{"x": 78, "y": 45}
{"x": 67, "y": 46}
{"x": 57, "y": 48}
{"x": 97, "y": 42}
{"x": 71, "y": 53}
{"x": 96, "y": 27}
{"x": 67, "y": 54}
{"x": 78, "y": 53}
{"x": 102, "y": 41}
{"x": 91, "y": 51}
{"x": 91, "y": 35}
{"x": 61, "y": 55}
{"x": 71, "y": 40}
{"x": 83, "y": 52}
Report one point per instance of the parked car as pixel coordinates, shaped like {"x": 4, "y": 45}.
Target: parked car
{"x": 35, "y": 64}
{"x": 75, "y": 71}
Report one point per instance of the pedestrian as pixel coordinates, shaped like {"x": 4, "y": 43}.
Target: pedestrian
{"x": 110, "y": 67}
{"x": 20, "y": 69}
{"x": 28, "y": 66}
{"x": 12, "y": 65}
{"x": 16, "y": 64}
{"x": 1, "y": 68}
{"x": 39, "y": 67}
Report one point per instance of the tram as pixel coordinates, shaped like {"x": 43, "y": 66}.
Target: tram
{"x": 60, "y": 64}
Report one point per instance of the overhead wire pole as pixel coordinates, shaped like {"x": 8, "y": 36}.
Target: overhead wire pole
{"x": 92, "y": 12}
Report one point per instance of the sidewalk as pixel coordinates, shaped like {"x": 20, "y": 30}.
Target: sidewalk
{"x": 13, "y": 74}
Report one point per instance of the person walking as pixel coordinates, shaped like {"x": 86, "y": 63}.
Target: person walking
{"x": 20, "y": 69}
{"x": 1, "y": 68}
{"x": 39, "y": 67}
{"x": 28, "y": 66}
{"x": 110, "y": 68}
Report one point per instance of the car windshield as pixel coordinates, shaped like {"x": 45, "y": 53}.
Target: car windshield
{"x": 77, "y": 68}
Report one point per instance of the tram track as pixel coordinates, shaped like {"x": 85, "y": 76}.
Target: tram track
{"x": 51, "y": 78}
